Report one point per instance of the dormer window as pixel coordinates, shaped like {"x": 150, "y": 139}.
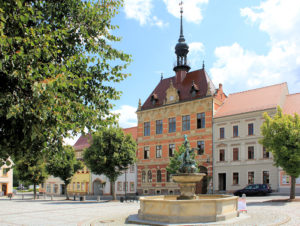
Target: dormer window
{"x": 194, "y": 89}
{"x": 154, "y": 99}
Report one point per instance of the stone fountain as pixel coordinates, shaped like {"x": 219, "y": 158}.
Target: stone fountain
{"x": 187, "y": 207}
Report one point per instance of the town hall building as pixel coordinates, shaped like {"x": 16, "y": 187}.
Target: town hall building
{"x": 180, "y": 105}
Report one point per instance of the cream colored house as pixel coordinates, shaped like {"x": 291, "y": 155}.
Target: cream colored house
{"x": 6, "y": 180}
{"x": 238, "y": 158}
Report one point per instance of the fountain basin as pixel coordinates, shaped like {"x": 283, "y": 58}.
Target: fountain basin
{"x": 204, "y": 208}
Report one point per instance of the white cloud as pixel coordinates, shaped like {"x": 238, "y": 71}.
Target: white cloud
{"x": 196, "y": 53}
{"x": 140, "y": 10}
{"x": 243, "y": 69}
{"x": 127, "y": 116}
{"x": 193, "y": 7}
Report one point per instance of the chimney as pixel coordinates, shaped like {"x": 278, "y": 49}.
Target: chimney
{"x": 220, "y": 87}
{"x": 180, "y": 76}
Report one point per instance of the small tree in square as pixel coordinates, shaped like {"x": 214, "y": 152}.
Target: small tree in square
{"x": 64, "y": 165}
{"x": 110, "y": 153}
{"x": 281, "y": 136}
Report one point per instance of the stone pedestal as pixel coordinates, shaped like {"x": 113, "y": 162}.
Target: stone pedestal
{"x": 187, "y": 183}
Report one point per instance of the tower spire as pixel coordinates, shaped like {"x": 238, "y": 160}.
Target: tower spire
{"x": 181, "y": 37}
{"x": 181, "y": 48}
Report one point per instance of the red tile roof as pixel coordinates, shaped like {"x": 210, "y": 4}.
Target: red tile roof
{"x": 132, "y": 131}
{"x": 200, "y": 79}
{"x": 292, "y": 104}
{"x": 253, "y": 100}
{"x": 84, "y": 140}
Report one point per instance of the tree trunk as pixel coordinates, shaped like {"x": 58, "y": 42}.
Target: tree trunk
{"x": 34, "y": 191}
{"x": 293, "y": 186}
{"x": 66, "y": 190}
{"x": 113, "y": 193}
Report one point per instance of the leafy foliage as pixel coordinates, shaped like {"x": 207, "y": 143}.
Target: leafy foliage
{"x": 282, "y": 138}
{"x": 64, "y": 165}
{"x": 57, "y": 63}
{"x": 32, "y": 169}
{"x": 175, "y": 161}
{"x": 110, "y": 153}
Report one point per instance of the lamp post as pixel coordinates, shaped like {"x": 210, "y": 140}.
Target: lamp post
{"x": 125, "y": 182}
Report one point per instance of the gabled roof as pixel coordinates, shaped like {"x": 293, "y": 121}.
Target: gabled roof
{"x": 292, "y": 104}
{"x": 132, "y": 131}
{"x": 200, "y": 79}
{"x": 85, "y": 140}
{"x": 253, "y": 100}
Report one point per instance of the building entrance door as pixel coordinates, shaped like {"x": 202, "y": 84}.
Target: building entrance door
{"x": 98, "y": 188}
{"x": 222, "y": 181}
{"x": 4, "y": 189}
{"x": 62, "y": 189}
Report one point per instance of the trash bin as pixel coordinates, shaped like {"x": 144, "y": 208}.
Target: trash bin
{"x": 122, "y": 199}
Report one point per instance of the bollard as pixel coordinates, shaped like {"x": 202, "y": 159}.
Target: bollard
{"x": 98, "y": 198}
{"x": 51, "y": 197}
{"x": 22, "y": 196}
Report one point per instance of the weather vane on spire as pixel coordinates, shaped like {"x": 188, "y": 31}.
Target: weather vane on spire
{"x": 181, "y": 6}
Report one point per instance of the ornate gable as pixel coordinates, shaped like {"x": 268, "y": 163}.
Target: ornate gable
{"x": 171, "y": 94}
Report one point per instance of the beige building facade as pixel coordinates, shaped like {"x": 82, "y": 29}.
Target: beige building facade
{"x": 6, "y": 180}
{"x": 238, "y": 158}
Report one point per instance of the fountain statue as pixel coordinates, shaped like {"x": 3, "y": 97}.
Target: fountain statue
{"x": 187, "y": 207}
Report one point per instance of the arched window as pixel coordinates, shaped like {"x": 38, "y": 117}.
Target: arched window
{"x": 149, "y": 176}
{"x": 158, "y": 176}
{"x": 168, "y": 177}
{"x": 143, "y": 176}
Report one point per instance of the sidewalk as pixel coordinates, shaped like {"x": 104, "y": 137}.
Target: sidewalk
{"x": 261, "y": 211}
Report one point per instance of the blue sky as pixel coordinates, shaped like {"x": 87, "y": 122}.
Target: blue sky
{"x": 245, "y": 44}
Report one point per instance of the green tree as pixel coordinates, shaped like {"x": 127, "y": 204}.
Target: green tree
{"x": 281, "y": 136}
{"x": 57, "y": 69}
{"x": 64, "y": 165}
{"x": 32, "y": 169}
{"x": 110, "y": 153}
{"x": 175, "y": 162}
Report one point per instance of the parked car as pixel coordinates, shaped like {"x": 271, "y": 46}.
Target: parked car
{"x": 254, "y": 189}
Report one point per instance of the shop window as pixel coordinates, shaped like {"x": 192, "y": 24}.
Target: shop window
{"x": 266, "y": 177}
